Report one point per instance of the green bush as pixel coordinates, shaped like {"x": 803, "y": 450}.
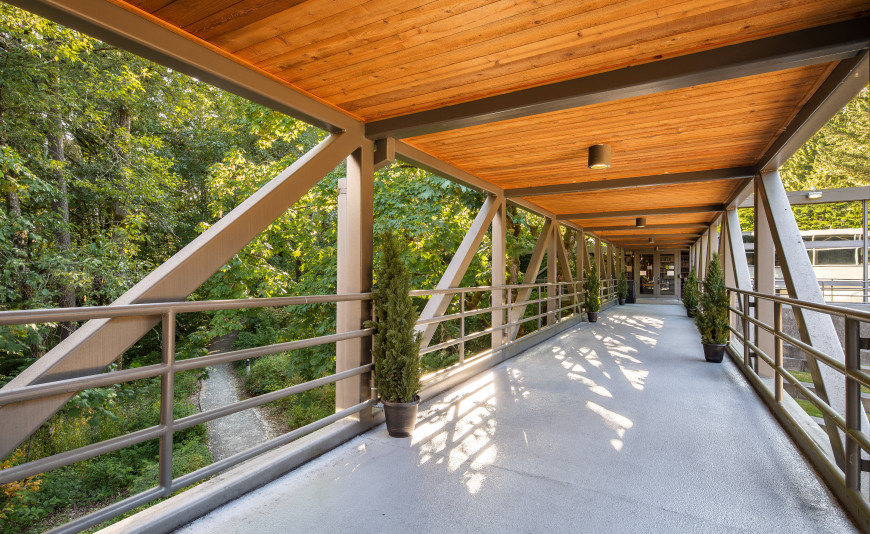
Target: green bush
{"x": 396, "y": 348}
{"x": 690, "y": 291}
{"x": 592, "y": 286}
{"x": 622, "y": 286}
{"x": 712, "y": 316}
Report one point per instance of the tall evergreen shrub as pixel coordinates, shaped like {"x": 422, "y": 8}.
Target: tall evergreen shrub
{"x": 622, "y": 286}
{"x": 592, "y": 286}
{"x": 690, "y": 290}
{"x": 712, "y": 316}
{"x": 396, "y": 348}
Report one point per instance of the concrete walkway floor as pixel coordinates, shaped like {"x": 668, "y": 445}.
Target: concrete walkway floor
{"x": 618, "y": 426}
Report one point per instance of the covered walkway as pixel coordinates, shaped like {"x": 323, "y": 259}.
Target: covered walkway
{"x": 619, "y": 426}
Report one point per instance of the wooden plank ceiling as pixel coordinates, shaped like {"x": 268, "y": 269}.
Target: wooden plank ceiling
{"x": 381, "y": 59}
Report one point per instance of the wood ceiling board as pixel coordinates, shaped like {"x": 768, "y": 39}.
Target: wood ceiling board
{"x": 387, "y": 58}
{"x": 438, "y": 80}
{"x": 666, "y": 196}
{"x": 651, "y": 232}
{"x": 701, "y": 218}
{"x": 705, "y": 127}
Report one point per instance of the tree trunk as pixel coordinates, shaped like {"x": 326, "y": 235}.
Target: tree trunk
{"x": 119, "y": 208}
{"x": 60, "y": 206}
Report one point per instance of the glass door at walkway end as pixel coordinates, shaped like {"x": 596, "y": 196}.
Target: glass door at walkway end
{"x": 646, "y": 272}
{"x": 667, "y": 275}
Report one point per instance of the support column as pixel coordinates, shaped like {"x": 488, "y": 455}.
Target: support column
{"x": 764, "y": 282}
{"x": 816, "y": 329}
{"x": 582, "y": 255}
{"x": 865, "y": 290}
{"x": 354, "y": 262}
{"x": 552, "y": 267}
{"x": 529, "y": 278}
{"x": 598, "y": 260}
{"x": 499, "y": 274}
{"x": 737, "y": 256}
{"x": 702, "y": 255}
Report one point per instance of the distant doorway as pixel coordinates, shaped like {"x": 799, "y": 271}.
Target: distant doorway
{"x": 657, "y": 274}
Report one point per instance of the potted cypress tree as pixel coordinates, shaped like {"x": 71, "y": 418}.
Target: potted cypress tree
{"x": 690, "y": 293}
{"x": 396, "y": 347}
{"x": 592, "y": 298}
{"x": 622, "y": 288}
{"x": 712, "y": 314}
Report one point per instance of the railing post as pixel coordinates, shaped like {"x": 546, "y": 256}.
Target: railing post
{"x": 167, "y": 399}
{"x": 746, "y": 360}
{"x": 462, "y": 327}
{"x": 777, "y": 350}
{"x": 539, "y": 304}
{"x": 853, "y": 403}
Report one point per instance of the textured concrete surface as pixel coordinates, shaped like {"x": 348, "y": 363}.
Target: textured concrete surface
{"x": 617, "y": 426}
{"x": 233, "y": 433}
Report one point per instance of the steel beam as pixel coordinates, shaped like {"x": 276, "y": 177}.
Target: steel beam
{"x": 816, "y": 329}
{"x": 847, "y": 79}
{"x": 552, "y": 268}
{"x": 452, "y": 276}
{"x": 707, "y": 208}
{"x": 633, "y": 183}
{"x": 582, "y": 255}
{"x": 385, "y": 152}
{"x": 428, "y": 162}
{"x": 146, "y": 36}
{"x": 354, "y": 275}
{"x": 812, "y": 46}
{"x": 839, "y": 194}
{"x": 529, "y": 277}
{"x": 99, "y": 342}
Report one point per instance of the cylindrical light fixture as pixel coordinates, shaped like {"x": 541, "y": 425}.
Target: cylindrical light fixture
{"x": 599, "y": 156}
{"x": 641, "y": 222}
{"x": 652, "y": 240}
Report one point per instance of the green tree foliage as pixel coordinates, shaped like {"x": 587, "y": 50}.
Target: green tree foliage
{"x": 712, "y": 315}
{"x": 622, "y": 286}
{"x": 396, "y": 346}
{"x": 592, "y": 288}
{"x": 690, "y": 290}
{"x": 838, "y": 155}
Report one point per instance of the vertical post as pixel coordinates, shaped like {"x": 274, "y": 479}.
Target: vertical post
{"x": 499, "y": 274}
{"x": 462, "y": 327}
{"x": 167, "y": 399}
{"x": 865, "y": 290}
{"x": 854, "y": 407}
{"x": 552, "y": 266}
{"x": 354, "y": 255}
{"x": 777, "y": 354}
{"x": 582, "y": 255}
{"x": 746, "y": 360}
{"x": 765, "y": 281}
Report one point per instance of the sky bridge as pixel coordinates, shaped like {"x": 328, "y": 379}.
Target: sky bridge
{"x": 639, "y": 127}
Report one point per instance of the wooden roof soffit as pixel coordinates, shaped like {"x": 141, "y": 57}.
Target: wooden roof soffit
{"x": 636, "y": 213}
{"x": 822, "y": 44}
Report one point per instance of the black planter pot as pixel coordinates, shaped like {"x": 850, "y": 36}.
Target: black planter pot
{"x": 690, "y": 312}
{"x": 621, "y": 301}
{"x": 714, "y": 353}
{"x": 401, "y": 417}
{"x": 592, "y": 316}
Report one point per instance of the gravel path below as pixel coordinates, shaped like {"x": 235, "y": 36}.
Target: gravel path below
{"x": 233, "y": 433}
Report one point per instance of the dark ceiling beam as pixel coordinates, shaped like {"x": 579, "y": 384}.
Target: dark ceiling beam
{"x": 708, "y": 208}
{"x": 624, "y": 237}
{"x": 839, "y": 194}
{"x": 812, "y": 46}
{"x": 844, "y": 82}
{"x": 649, "y": 227}
{"x": 635, "y": 182}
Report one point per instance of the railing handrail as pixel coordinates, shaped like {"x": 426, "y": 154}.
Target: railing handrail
{"x": 824, "y": 308}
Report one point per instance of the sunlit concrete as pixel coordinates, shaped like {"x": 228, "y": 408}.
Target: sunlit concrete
{"x": 618, "y": 426}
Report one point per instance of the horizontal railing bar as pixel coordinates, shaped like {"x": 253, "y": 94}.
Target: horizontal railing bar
{"x": 255, "y": 352}
{"x": 455, "y": 290}
{"x": 822, "y": 308}
{"x": 159, "y": 308}
{"x": 72, "y": 385}
{"x": 266, "y": 446}
{"x": 229, "y": 409}
{"x": 104, "y": 514}
{"x": 35, "y": 467}
{"x": 825, "y": 408}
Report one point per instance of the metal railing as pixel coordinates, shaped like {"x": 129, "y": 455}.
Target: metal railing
{"x": 559, "y": 298}
{"x": 844, "y": 469}
{"x": 836, "y": 290}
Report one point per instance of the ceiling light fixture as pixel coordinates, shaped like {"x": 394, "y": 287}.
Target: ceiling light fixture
{"x": 641, "y": 222}
{"x": 652, "y": 240}
{"x": 599, "y": 156}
